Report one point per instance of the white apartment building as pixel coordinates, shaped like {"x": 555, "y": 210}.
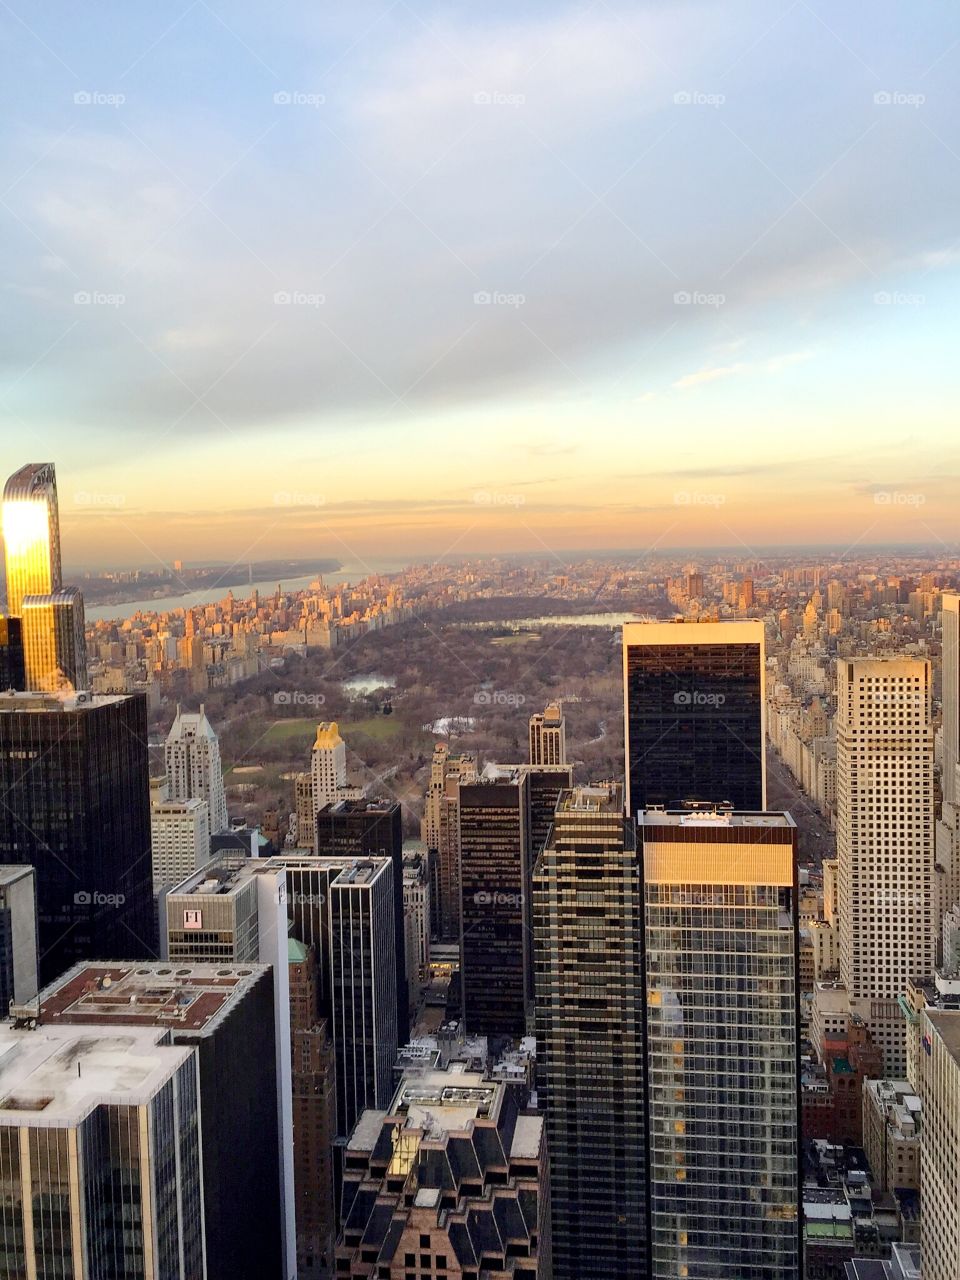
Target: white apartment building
{"x": 179, "y": 839}
{"x": 194, "y": 771}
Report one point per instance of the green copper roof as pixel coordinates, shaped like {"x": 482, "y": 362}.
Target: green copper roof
{"x": 296, "y": 951}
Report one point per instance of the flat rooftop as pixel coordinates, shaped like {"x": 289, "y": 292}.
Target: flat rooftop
{"x": 946, "y": 1023}
{"x": 527, "y": 1138}
{"x": 716, "y": 818}
{"x": 181, "y": 997}
{"x": 446, "y": 1101}
{"x": 56, "y": 1075}
{"x": 228, "y": 874}
{"x": 55, "y": 704}
{"x": 595, "y": 799}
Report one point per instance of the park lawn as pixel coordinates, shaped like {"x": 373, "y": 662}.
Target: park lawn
{"x": 297, "y": 729}
{"x": 523, "y": 637}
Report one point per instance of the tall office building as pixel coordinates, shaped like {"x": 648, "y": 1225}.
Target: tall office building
{"x": 548, "y": 736}
{"x": 74, "y": 775}
{"x": 192, "y": 761}
{"x": 328, "y": 764}
{"x": 588, "y": 930}
{"x": 99, "y": 1153}
{"x": 179, "y": 840}
{"x": 693, "y": 713}
{"x": 372, "y": 828}
{"x": 234, "y": 911}
{"x": 12, "y": 670}
{"x": 31, "y": 534}
{"x": 948, "y": 827}
{"x": 885, "y": 841}
{"x": 450, "y": 1179}
{"x": 440, "y": 830}
{"x": 54, "y": 641}
{"x": 18, "y": 936}
{"x": 938, "y": 1069}
{"x": 363, "y": 978}
{"x": 314, "y": 1119}
{"x": 495, "y": 908}
{"x": 223, "y": 1014}
{"x": 723, "y": 1054}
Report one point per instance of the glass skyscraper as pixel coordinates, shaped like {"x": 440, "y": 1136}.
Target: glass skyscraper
{"x": 693, "y": 713}
{"x": 31, "y": 533}
{"x": 722, "y": 1019}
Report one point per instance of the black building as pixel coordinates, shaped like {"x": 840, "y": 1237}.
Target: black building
{"x": 366, "y": 829}
{"x": 693, "y": 714}
{"x": 12, "y": 672}
{"x": 74, "y": 779}
{"x": 495, "y": 938}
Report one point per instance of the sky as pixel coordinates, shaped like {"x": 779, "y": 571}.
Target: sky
{"x": 430, "y": 278}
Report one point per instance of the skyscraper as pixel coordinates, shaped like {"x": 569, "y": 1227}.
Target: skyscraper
{"x": 495, "y": 908}
{"x": 328, "y": 764}
{"x": 18, "y": 936}
{"x": 440, "y": 830}
{"x": 588, "y": 929}
{"x": 693, "y": 713}
{"x": 54, "y": 641}
{"x": 31, "y": 534}
{"x": 223, "y": 1015}
{"x": 194, "y": 771}
{"x": 373, "y": 828}
{"x": 723, "y": 1055}
{"x": 363, "y": 978}
{"x": 12, "y": 669}
{"x": 948, "y": 827}
{"x": 99, "y": 1153}
{"x": 885, "y": 841}
{"x": 548, "y": 736}
{"x": 75, "y": 780}
{"x": 179, "y": 840}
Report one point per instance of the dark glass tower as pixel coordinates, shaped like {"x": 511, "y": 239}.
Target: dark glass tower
{"x": 693, "y": 714}
{"x": 495, "y": 940}
{"x": 372, "y": 829}
{"x": 74, "y": 778}
{"x": 12, "y": 670}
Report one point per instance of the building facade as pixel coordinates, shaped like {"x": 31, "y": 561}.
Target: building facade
{"x": 885, "y": 841}
{"x": 588, "y": 930}
{"x": 74, "y": 774}
{"x": 694, "y": 713}
{"x": 19, "y": 978}
{"x": 548, "y": 736}
{"x": 440, "y": 830}
{"x": 179, "y": 839}
{"x": 54, "y": 641}
{"x": 723, "y": 1044}
{"x": 192, "y": 761}
{"x": 31, "y": 534}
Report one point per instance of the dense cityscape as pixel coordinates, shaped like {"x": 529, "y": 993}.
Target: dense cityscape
{"x": 630, "y": 949}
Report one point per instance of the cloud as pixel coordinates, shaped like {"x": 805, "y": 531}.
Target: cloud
{"x": 772, "y": 366}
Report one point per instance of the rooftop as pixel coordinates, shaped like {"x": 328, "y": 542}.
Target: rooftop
{"x": 946, "y": 1023}
{"x": 183, "y": 997}
{"x": 56, "y": 1075}
{"x": 57, "y": 703}
{"x": 607, "y": 797}
{"x": 718, "y": 818}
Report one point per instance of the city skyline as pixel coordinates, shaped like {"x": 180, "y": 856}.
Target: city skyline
{"x": 581, "y": 277}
